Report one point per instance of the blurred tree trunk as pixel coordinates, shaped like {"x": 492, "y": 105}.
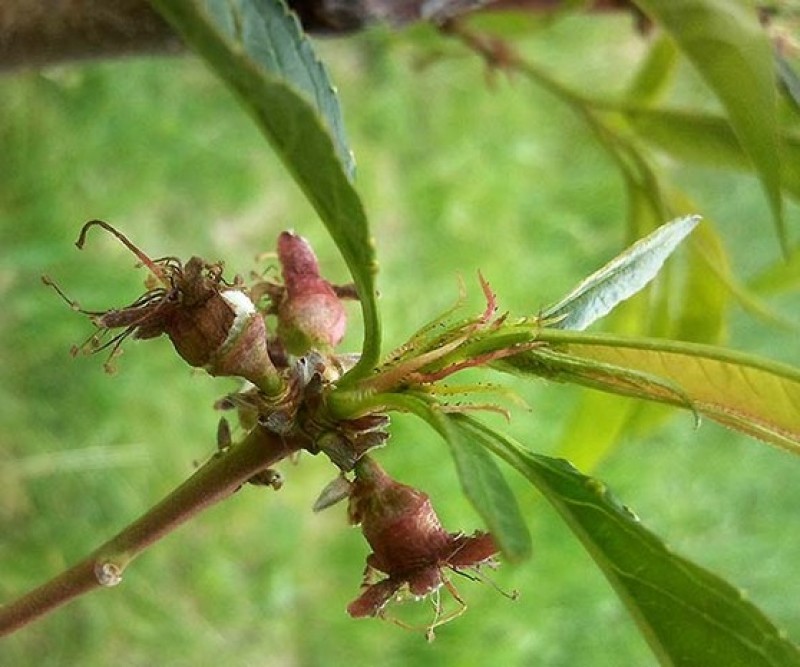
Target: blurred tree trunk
{"x": 41, "y": 32}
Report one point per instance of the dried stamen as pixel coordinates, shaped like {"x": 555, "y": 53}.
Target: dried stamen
{"x": 155, "y": 269}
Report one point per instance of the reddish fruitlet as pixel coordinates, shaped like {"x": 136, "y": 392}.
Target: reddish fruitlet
{"x": 408, "y": 542}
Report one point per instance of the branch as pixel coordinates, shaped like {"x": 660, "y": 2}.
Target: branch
{"x": 36, "y": 34}
{"x": 213, "y": 482}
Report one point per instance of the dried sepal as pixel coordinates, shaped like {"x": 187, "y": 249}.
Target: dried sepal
{"x": 300, "y": 411}
{"x": 332, "y": 493}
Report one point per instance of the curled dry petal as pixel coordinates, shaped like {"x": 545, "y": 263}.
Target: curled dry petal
{"x": 374, "y": 598}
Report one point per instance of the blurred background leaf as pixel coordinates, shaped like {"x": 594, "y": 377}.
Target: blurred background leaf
{"x": 729, "y": 47}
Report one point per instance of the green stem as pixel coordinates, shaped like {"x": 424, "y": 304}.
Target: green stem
{"x": 624, "y": 152}
{"x": 213, "y": 482}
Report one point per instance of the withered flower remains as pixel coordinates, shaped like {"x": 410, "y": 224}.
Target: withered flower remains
{"x": 220, "y": 326}
{"x": 408, "y": 542}
{"x": 212, "y": 324}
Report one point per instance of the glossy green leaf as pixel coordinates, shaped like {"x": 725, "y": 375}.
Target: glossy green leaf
{"x": 597, "y": 424}
{"x": 621, "y": 278}
{"x": 753, "y": 395}
{"x": 688, "y": 615}
{"x": 693, "y": 308}
{"x": 481, "y": 479}
{"x": 696, "y": 310}
{"x": 257, "y": 48}
{"x": 689, "y": 136}
{"x": 729, "y": 48}
{"x": 269, "y": 38}
{"x": 708, "y": 140}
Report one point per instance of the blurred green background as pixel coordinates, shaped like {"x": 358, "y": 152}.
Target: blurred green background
{"x": 458, "y": 173}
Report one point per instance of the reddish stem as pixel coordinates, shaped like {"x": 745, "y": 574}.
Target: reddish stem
{"x": 215, "y": 481}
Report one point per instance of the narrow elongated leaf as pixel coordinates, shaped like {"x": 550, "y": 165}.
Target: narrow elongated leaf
{"x": 594, "y": 429}
{"x": 696, "y": 310}
{"x": 596, "y": 426}
{"x": 704, "y": 293}
{"x": 257, "y": 48}
{"x": 487, "y": 489}
{"x": 789, "y": 80}
{"x": 688, "y": 615}
{"x": 729, "y": 48}
{"x": 708, "y": 140}
{"x": 655, "y": 74}
{"x": 780, "y": 277}
{"x": 698, "y": 137}
{"x": 481, "y": 480}
{"x": 271, "y": 39}
{"x": 621, "y": 278}
{"x": 747, "y": 393}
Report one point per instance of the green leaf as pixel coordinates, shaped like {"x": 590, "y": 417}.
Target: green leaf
{"x": 704, "y": 294}
{"x": 782, "y": 276}
{"x": 594, "y": 429}
{"x": 655, "y": 73}
{"x": 688, "y": 615}
{"x": 708, "y": 140}
{"x": 729, "y": 48}
{"x": 691, "y": 309}
{"x": 486, "y": 488}
{"x": 269, "y": 36}
{"x": 597, "y": 424}
{"x": 257, "y": 48}
{"x": 621, "y": 278}
{"x": 789, "y": 79}
{"x": 689, "y": 136}
{"x": 747, "y": 393}
{"x": 481, "y": 480}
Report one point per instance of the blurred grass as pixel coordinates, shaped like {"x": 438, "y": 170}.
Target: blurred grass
{"x": 457, "y": 176}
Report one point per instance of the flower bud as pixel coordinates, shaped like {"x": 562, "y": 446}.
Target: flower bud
{"x": 310, "y": 314}
{"x": 397, "y": 520}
